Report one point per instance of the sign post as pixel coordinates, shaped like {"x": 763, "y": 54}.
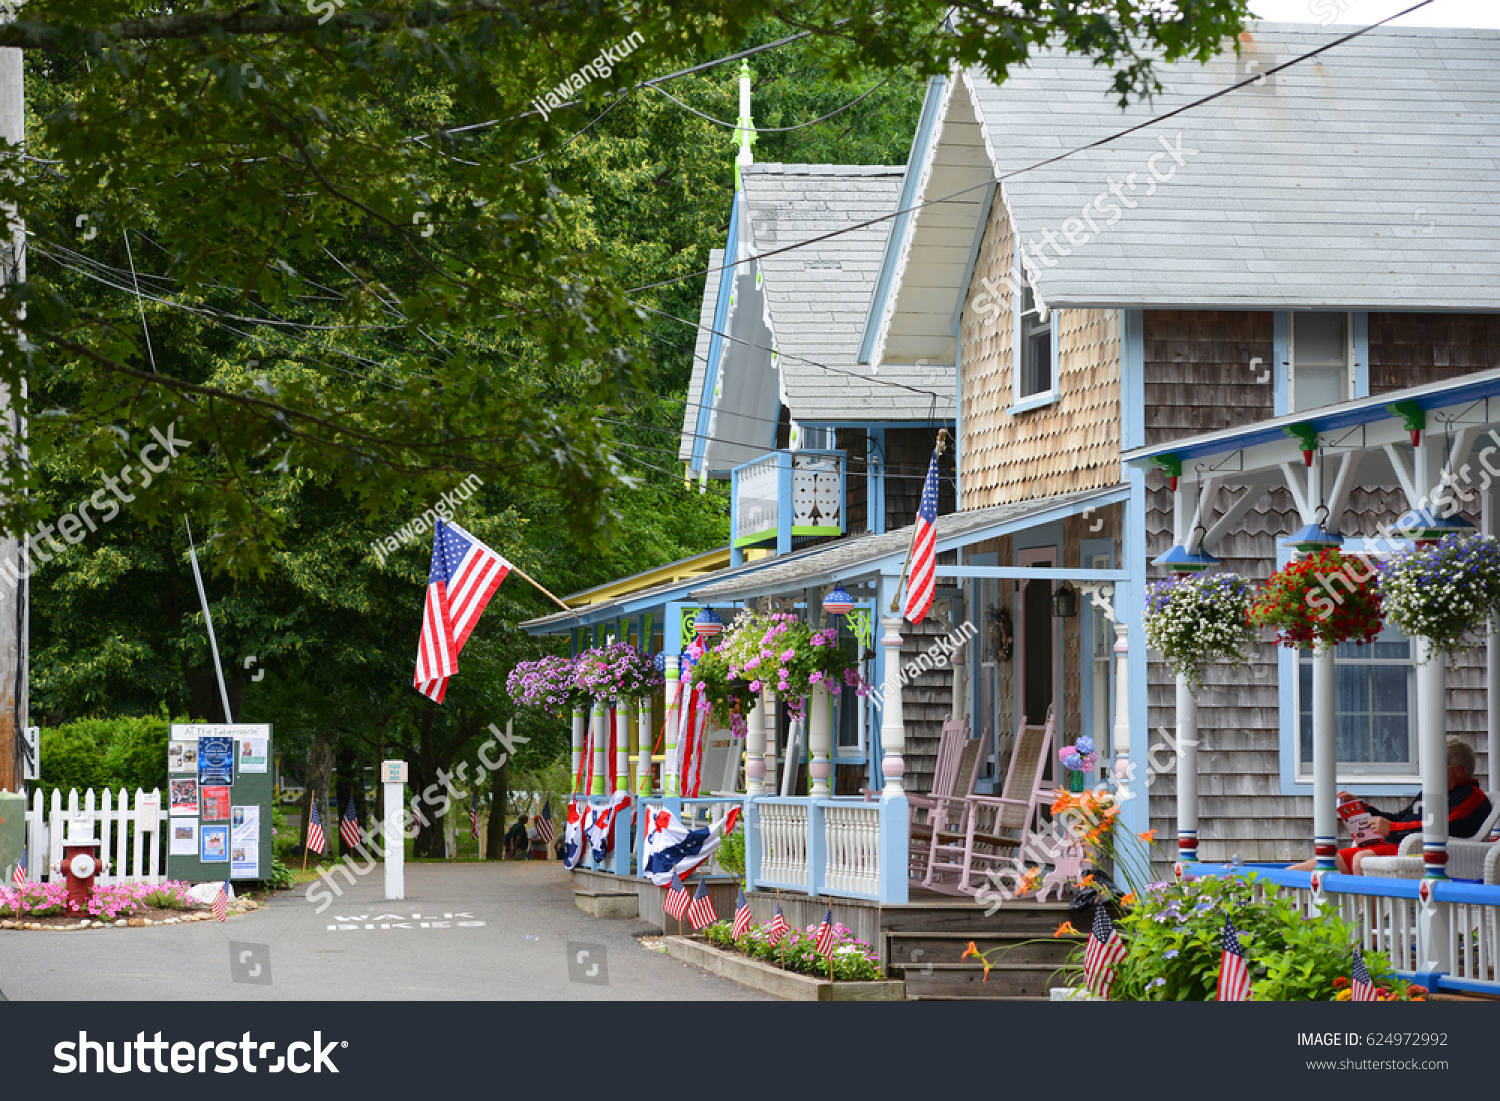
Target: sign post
{"x": 393, "y": 775}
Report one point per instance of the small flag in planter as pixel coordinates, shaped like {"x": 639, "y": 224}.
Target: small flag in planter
{"x": 349, "y": 831}
{"x": 1234, "y": 977}
{"x": 316, "y": 842}
{"x": 221, "y": 902}
{"x": 18, "y": 876}
{"x": 677, "y": 901}
{"x": 742, "y": 920}
{"x": 779, "y": 927}
{"x": 701, "y": 912}
{"x": 1105, "y": 949}
{"x": 826, "y": 934}
{"x": 1363, "y": 990}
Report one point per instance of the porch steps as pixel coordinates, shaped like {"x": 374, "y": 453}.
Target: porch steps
{"x": 607, "y": 904}
{"x": 1031, "y": 981}
{"x": 924, "y": 945}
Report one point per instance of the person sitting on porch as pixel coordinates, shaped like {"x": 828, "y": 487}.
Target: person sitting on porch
{"x": 517, "y": 843}
{"x": 1468, "y": 810}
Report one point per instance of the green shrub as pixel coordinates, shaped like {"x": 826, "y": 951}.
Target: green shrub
{"x": 127, "y": 752}
{"x": 731, "y": 852}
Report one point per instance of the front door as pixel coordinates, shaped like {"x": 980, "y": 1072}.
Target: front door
{"x": 1036, "y": 638}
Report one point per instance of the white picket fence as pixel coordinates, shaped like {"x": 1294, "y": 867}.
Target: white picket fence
{"x": 131, "y": 835}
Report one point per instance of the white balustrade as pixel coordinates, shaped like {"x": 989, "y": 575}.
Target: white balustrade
{"x": 852, "y": 845}
{"x": 1474, "y": 941}
{"x": 783, "y": 843}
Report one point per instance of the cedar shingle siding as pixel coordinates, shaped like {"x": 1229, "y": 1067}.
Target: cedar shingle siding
{"x": 1408, "y": 349}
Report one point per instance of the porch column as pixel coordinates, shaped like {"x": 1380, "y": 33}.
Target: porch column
{"x": 580, "y": 721}
{"x": 1432, "y": 699}
{"x": 669, "y": 736}
{"x": 644, "y": 745}
{"x": 1187, "y": 772}
{"x": 1325, "y": 760}
{"x": 770, "y": 712}
{"x": 755, "y": 749}
{"x": 892, "y": 722}
{"x": 1487, "y": 512}
{"x": 1121, "y": 733}
{"x": 601, "y": 745}
{"x": 622, "y": 744}
{"x": 820, "y": 741}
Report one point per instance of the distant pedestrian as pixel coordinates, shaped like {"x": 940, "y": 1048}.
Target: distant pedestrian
{"x": 517, "y": 843}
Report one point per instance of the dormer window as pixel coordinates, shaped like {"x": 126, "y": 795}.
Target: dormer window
{"x": 1035, "y": 341}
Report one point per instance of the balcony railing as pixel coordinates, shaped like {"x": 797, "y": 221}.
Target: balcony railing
{"x": 787, "y": 494}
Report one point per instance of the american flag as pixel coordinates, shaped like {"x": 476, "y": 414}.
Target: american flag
{"x": 349, "y": 830}
{"x": 1234, "y": 977}
{"x": 1363, "y": 988}
{"x": 465, "y": 574}
{"x": 473, "y": 820}
{"x": 826, "y": 934}
{"x": 544, "y": 824}
{"x": 1105, "y": 949}
{"x": 18, "y": 875}
{"x": 221, "y": 902}
{"x": 702, "y": 912}
{"x": 316, "y": 842}
{"x": 921, "y": 581}
{"x": 677, "y": 901}
{"x": 742, "y": 919}
{"x": 779, "y": 927}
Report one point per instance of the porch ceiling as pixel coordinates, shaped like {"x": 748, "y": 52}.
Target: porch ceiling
{"x": 869, "y": 554}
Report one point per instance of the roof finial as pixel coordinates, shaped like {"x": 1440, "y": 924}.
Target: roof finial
{"x": 746, "y": 131}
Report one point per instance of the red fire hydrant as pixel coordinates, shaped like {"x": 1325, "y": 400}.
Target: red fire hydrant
{"x": 81, "y": 865}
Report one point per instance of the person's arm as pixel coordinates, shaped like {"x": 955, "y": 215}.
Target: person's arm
{"x": 1467, "y": 810}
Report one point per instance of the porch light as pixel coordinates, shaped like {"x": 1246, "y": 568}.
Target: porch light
{"x": 1421, "y": 525}
{"x": 1065, "y": 601}
{"x": 838, "y": 602}
{"x": 707, "y": 623}
{"x": 1313, "y": 538}
{"x": 1180, "y": 560}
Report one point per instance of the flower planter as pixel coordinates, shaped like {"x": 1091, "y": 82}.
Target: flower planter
{"x": 789, "y": 985}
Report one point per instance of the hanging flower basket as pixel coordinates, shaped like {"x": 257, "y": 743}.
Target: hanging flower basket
{"x": 1444, "y": 592}
{"x": 730, "y": 698}
{"x": 618, "y": 671}
{"x": 546, "y": 685}
{"x": 1197, "y": 619}
{"x": 1320, "y": 601}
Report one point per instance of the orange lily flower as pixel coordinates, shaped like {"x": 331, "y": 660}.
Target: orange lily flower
{"x": 1128, "y": 900}
{"x": 1066, "y": 930}
{"x": 1087, "y": 881}
{"x": 973, "y": 950}
{"x": 1148, "y": 837}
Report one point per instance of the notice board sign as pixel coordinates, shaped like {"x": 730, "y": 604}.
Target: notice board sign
{"x": 220, "y": 810}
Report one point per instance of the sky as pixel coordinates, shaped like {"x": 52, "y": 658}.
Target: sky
{"x": 1440, "y": 13}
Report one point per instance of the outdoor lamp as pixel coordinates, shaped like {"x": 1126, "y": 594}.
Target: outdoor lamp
{"x": 1180, "y": 560}
{"x": 1065, "y": 601}
{"x": 1312, "y": 538}
{"x": 838, "y": 602}
{"x": 707, "y": 623}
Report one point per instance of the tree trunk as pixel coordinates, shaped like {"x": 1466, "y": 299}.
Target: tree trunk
{"x": 499, "y": 798}
{"x": 349, "y": 783}
{"x": 319, "y": 770}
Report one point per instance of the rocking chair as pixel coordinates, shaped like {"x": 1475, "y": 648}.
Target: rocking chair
{"x": 954, "y": 775}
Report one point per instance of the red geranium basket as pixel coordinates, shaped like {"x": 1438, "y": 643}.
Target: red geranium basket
{"x": 1320, "y": 601}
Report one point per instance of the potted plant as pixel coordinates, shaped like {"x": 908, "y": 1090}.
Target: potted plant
{"x": 1444, "y": 592}
{"x": 1320, "y": 601}
{"x": 615, "y": 672}
{"x": 548, "y": 685}
{"x": 1195, "y": 619}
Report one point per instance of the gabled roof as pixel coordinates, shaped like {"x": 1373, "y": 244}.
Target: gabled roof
{"x": 1365, "y": 178}
{"x": 695, "y": 396}
{"x": 819, "y": 296}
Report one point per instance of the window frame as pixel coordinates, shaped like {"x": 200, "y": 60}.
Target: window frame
{"x": 1023, "y": 402}
{"x": 1289, "y": 736}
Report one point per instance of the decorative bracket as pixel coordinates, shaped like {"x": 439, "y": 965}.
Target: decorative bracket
{"x": 1170, "y": 465}
{"x": 1414, "y": 416}
{"x": 1102, "y": 593}
{"x": 1307, "y": 435}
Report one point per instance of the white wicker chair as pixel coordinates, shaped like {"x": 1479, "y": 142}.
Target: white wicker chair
{"x": 1468, "y": 858}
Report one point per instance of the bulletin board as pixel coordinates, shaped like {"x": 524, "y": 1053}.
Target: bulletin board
{"x": 220, "y": 781}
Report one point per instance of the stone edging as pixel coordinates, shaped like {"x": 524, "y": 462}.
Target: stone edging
{"x": 187, "y": 918}
{"x": 789, "y": 985}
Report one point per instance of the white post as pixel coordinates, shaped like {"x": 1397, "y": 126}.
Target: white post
{"x": 1121, "y": 734}
{"x": 393, "y": 774}
{"x": 1492, "y": 668}
{"x": 643, "y": 749}
{"x": 892, "y": 722}
{"x": 600, "y": 726}
{"x": 580, "y": 721}
{"x": 960, "y": 686}
{"x": 1187, "y": 772}
{"x": 1325, "y": 760}
{"x": 622, "y": 744}
{"x": 820, "y": 741}
{"x": 755, "y": 749}
{"x": 771, "y": 712}
{"x": 669, "y": 782}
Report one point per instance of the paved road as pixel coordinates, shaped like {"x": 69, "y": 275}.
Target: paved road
{"x": 464, "y": 931}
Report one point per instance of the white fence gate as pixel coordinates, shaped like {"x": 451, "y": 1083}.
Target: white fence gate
{"x": 131, "y": 836}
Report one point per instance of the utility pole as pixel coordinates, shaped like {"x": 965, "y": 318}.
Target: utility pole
{"x": 14, "y": 618}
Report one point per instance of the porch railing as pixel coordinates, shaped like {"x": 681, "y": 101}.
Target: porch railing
{"x": 1444, "y": 933}
{"x": 838, "y": 847}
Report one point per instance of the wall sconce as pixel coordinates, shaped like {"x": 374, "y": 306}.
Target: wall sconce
{"x": 1065, "y": 601}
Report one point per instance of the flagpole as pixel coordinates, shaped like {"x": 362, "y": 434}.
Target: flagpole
{"x": 942, "y": 440}
{"x": 527, "y": 577}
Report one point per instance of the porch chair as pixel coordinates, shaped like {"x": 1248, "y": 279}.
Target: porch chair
{"x": 954, "y": 775}
{"x": 1466, "y": 855}
{"x": 994, "y": 826}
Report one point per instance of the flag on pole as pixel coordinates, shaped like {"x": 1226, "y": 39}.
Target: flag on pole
{"x": 826, "y": 934}
{"x": 779, "y": 927}
{"x": 544, "y": 824}
{"x": 742, "y": 919}
{"x": 1363, "y": 990}
{"x": 702, "y": 911}
{"x": 18, "y": 875}
{"x": 473, "y": 819}
{"x": 677, "y": 900}
{"x": 1105, "y": 949}
{"x": 221, "y": 901}
{"x": 921, "y": 578}
{"x": 316, "y": 842}
{"x": 1234, "y": 977}
{"x": 465, "y": 574}
{"x": 349, "y": 831}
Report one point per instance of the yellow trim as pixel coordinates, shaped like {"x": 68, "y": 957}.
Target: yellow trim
{"x": 677, "y": 571}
